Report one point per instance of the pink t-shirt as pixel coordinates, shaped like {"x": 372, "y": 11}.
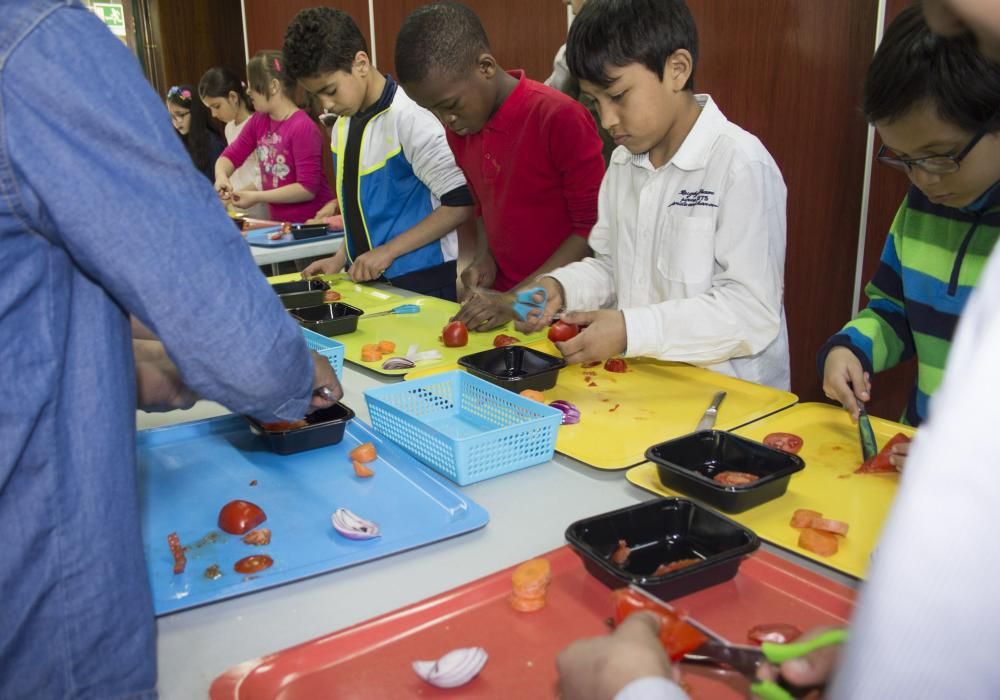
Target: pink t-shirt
{"x": 288, "y": 152}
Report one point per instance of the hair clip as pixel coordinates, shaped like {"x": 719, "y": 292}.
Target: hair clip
{"x": 177, "y": 93}
{"x": 277, "y": 66}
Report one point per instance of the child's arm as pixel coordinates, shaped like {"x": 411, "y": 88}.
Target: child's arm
{"x": 233, "y": 156}
{"x": 286, "y": 194}
{"x": 331, "y": 208}
{"x": 327, "y": 266}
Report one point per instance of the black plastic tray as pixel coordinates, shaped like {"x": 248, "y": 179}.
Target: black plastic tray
{"x": 325, "y": 427}
{"x": 659, "y": 532}
{"x": 301, "y": 294}
{"x": 514, "y": 367}
{"x": 301, "y": 232}
{"x": 328, "y": 319}
{"x": 689, "y": 463}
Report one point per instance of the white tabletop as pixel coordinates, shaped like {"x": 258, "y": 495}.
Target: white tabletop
{"x": 264, "y": 255}
{"x": 529, "y": 512}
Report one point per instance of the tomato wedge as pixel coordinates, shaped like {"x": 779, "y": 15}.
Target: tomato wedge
{"x": 238, "y": 517}
{"x": 676, "y": 635}
{"x": 616, "y": 364}
{"x": 504, "y": 340}
{"x": 879, "y": 464}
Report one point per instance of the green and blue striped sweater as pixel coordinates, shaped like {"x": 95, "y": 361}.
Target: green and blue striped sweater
{"x": 931, "y": 262}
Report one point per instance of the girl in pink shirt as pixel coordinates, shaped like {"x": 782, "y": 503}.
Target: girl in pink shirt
{"x": 288, "y": 144}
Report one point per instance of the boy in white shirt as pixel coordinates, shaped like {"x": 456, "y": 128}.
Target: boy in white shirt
{"x": 689, "y": 245}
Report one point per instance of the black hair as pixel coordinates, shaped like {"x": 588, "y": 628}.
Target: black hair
{"x": 446, "y": 37}
{"x": 322, "y": 40}
{"x": 199, "y": 139}
{"x": 913, "y": 64}
{"x": 620, "y": 32}
{"x": 219, "y": 82}
{"x": 266, "y": 66}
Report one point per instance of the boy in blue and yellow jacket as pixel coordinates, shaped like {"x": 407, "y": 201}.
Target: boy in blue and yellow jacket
{"x": 398, "y": 187}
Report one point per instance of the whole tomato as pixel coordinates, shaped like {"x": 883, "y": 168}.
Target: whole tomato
{"x": 238, "y": 517}
{"x": 455, "y": 335}
{"x": 560, "y": 331}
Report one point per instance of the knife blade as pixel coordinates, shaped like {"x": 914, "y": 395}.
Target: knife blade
{"x": 869, "y": 446}
{"x": 708, "y": 419}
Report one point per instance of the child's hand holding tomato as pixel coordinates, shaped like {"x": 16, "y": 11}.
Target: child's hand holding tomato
{"x": 604, "y": 336}
{"x": 539, "y": 319}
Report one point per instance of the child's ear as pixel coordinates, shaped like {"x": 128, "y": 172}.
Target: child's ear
{"x": 362, "y": 63}
{"x": 677, "y": 69}
{"x": 487, "y": 66}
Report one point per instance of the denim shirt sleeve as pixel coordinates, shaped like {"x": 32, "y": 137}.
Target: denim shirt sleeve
{"x": 103, "y": 175}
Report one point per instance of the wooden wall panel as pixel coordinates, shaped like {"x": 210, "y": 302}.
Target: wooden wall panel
{"x": 890, "y": 389}
{"x": 267, "y": 19}
{"x": 791, "y": 72}
{"x": 523, "y": 33}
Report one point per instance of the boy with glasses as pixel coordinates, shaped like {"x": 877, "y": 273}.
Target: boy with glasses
{"x": 934, "y": 102}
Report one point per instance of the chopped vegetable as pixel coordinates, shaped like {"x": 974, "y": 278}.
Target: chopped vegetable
{"x": 777, "y": 633}
{"x": 571, "y": 414}
{"x": 238, "y": 517}
{"x": 530, "y": 580}
{"x": 365, "y": 452}
{"x": 455, "y": 335}
{"x": 353, "y": 526}
{"x": 330, "y": 296}
{"x": 616, "y": 364}
{"x": 258, "y": 538}
{"x": 454, "y": 669}
{"x": 504, "y": 340}
{"x": 533, "y": 395}
{"x": 837, "y": 527}
{"x": 370, "y": 353}
{"x": 818, "y": 542}
{"x": 386, "y": 346}
{"x": 283, "y": 426}
{"x": 180, "y": 561}
{"x": 394, "y": 363}
{"x": 361, "y": 470}
{"x": 730, "y": 478}
{"x": 664, "y": 569}
{"x": 803, "y": 516}
{"x": 879, "y": 464}
{"x": 786, "y": 442}
{"x": 621, "y": 554}
{"x": 677, "y": 636}
{"x": 253, "y": 564}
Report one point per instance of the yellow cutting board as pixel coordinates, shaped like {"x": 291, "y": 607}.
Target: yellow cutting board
{"x": 421, "y": 329}
{"x": 828, "y": 484}
{"x": 365, "y": 297}
{"x": 653, "y": 401}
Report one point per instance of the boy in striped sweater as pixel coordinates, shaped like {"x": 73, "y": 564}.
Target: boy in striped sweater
{"x": 934, "y": 102}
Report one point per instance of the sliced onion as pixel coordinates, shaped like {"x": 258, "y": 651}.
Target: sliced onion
{"x": 571, "y": 414}
{"x": 414, "y": 356}
{"x": 455, "y": 668}
{"x": 398, "y": 363}
{"x": 353, "y": 526}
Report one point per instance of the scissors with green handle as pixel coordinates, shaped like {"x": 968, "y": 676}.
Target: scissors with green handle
{"x": 748, "y": 659}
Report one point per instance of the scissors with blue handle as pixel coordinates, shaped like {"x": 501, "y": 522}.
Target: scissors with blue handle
{"x": 525, "y": 302}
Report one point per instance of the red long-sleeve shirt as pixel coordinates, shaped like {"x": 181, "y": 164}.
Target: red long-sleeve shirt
{"x": 535, "y": 170}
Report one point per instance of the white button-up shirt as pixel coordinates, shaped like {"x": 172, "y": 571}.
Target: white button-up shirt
{"x": 693, "y": 253}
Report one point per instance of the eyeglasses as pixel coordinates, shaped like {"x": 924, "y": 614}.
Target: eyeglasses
{"x": 939, "y": 165}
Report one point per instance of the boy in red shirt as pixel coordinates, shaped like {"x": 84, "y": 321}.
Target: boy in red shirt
{"x": 531, "y": 155}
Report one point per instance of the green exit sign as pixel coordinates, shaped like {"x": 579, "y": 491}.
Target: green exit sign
{"x": 113, "y": 16}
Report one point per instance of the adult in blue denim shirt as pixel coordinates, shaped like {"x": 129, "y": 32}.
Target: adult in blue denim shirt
{"x": 102, "y": 215}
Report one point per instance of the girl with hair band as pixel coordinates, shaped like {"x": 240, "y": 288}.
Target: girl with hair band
{"x": 288, "y": 144}
{"x": 190, "y": 120}
{"x": 226, "y": 97}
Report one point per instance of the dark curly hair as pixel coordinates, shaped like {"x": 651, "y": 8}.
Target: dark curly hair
{"x": 446, "y": 37}
{"x": 321, "y": 40}
{"x": 619, "y": 32}
{"x": 913, "y": 64}
{"x": 200, "y": 141}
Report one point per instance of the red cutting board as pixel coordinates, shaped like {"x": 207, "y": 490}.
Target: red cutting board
{"x": 372, "y": 659}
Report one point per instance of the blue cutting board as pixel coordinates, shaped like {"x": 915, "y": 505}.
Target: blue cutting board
{"x": 188, "y": 472}
{"x": 258, "y": 237}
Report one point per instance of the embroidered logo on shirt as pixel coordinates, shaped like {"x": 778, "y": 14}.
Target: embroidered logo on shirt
{"x": 694, "y": 199}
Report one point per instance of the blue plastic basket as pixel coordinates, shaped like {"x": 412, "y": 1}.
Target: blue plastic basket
{"x": 328, "y": 348}
{"x": 463, "y": 427}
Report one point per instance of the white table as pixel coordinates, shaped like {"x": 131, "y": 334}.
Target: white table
{"x": 529, "y": 512}
{"x": 264, "y": 255}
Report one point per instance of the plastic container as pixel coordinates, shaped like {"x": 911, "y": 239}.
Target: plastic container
{"x": 658, "y": 532}
{"x": 324, "y": 427}
{"x": 302, "y": 294}
{"x": 515, "y": 368}
{"x": 328, "y": 348}
{"x": 337, "y": 318}
{"x": 301, "y": 232}
{"x": 464, "y": 427}
{"x": 689, "y": 463}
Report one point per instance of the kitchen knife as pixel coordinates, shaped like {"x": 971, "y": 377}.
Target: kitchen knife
{"x": 869, "y": 446}
{"x": 708, "y": 420}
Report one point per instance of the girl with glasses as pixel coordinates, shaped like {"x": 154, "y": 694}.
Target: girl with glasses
{"x": 190, "y": 120}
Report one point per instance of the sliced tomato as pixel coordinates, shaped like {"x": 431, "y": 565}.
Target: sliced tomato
{"x": 180, "y": 561}
{"x": 238, "y": 517}
{"x": 879, "y": 464}
{"x": 253, "y": 564}
{"x": 561, "y": 331}
{"x": 616, "y": 364}
{"x": 331, "y": 295}
{"x": 777, "y": 633}
{"x": 735, "y": 478}
{"x": 455, "y": 335}
{"x": 502, "y": 340}
{"x": 677, "y": 636}
{"x": 786, "y": 442}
